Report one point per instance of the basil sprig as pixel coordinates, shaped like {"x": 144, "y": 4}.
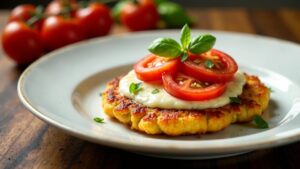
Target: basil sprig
{"x": 155, "y": 91}
{"x": 165, "y": 47}
{"x": 168, "y": 47}
{"x": 235, "y": 100}
{"x": 209, "y": 64}
{"x": 260, "y": 122}
{"x": 134, "y": 88}
{"x": 99, "y": 120}
{"x": 202, "y": 44}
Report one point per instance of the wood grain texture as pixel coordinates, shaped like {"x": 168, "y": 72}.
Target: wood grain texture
{"x": 27, "y": 142}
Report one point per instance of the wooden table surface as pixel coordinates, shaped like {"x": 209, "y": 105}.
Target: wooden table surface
{"x": 27, "y": 142}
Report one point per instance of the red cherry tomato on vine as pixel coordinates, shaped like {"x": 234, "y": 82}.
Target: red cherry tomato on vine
{"x": 151, "y": 67}
{"x": 138, "y": 16}
{"x": 57, "y": 7}
{"x": 58, "y": 31}
{"x": 95, "y": 20}
{"x": 22, "y": 13}
{"x": 53, "y": 8}
{"x": 221, "y": 66}
{"x": 188, "y": 88}
{"x": 21, "y": 43}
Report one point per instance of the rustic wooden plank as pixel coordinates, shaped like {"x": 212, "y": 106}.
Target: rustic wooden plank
{"x": 200, "y": 17}
{"x": 62, "y": 148}
{"x": 235, "y": 20}
{"x": 291, "y": 18}
{"x": 101, "y": 157}
{"x": 10, "y": 132}
{"x": 269, "y": 22}
{"x": 30, "y": 136}
{"x": 3, "y": 19}
{"x": 12, "y": 119}
{"x": 117, "y": 29}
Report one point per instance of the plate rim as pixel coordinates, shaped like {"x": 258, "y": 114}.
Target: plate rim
{"x": 129, "y": 146}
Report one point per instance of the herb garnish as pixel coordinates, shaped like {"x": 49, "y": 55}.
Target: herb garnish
{"x": 99, "y": 120}
{"x": 270, "y": 89}
{"x": 134, "y": 88}
{"x": 155, "y": 91}
{"x": 168, "y": 47}
{"x": 260, "y": 122}
{"x": 184, "y": 57}
{"x": 235, "y": 100}
{"x": 209, "y": 64}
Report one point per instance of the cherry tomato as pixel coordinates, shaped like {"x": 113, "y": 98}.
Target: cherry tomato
{"x": 222, "y": 70}
{"x": 21, "y": 43}
{"x": 22, "y": 13}
{"x": 138, "y": 16}
{"x": 95, "y": 20}
{"x": 151, "y": 67}
{"x": 57, "y": 7}
{"x": 54, "y": 8}
{"x": 188, "y": 88}
{"x": 58, "y": 31}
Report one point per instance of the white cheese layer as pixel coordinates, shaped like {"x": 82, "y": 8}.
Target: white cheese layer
{"x": 164, "y": 100}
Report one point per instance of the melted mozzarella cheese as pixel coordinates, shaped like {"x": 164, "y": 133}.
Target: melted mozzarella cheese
{"x": 164, "y": 100}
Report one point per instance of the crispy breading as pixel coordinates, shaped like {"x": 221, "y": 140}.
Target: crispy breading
{"x": 173, "y": 122}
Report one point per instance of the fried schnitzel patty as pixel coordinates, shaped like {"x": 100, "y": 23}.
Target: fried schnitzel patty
{"x": 173, "y": 122}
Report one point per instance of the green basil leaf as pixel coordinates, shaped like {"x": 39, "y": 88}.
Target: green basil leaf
{"x": 165, "y": 47}
{"x": 155, "y": 91}
{"x": 270, "y": 90}
{"x": 185, "y": 37}
{"x": 202, "y": 44}
{"x": 260, "y": 122}
{"x": 134, "y": 88}
{"x": 235, "y": 100}
{"x": 209, "y": 64}
{"x": 184, "y": 56}
{"x": 99, "y": 120}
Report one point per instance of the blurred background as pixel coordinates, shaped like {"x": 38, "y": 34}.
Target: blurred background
{"x": 269, "y": 4}
{"x": 276, "y": 18}
{"x": 28, "y": 142}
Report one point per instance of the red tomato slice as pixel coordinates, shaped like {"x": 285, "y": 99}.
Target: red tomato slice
{"x": 188, "y": 88}
{"x": 223, "y": 70}
{"x": 151, "y": 67}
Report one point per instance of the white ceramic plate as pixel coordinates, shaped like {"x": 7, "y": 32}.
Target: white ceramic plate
{"x": 63, "y": 89}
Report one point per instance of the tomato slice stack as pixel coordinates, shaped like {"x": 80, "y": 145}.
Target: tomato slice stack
{"x": 189, "y": 88}
{"x": 151, "y": 68}
{"x": 200, "y": 77}
{"x": 223, "y": 70}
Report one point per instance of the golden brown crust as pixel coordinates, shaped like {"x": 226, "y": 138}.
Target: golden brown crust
{"x": 254, "y": 100}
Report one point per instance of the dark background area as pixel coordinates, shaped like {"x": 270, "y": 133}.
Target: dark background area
{"x": 267, "y": 4}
